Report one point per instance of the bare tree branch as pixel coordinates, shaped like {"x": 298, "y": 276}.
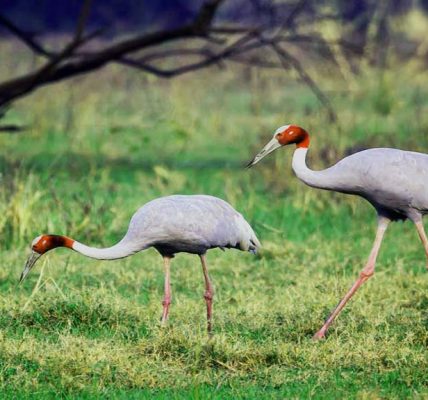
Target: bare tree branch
{"x": 289, "y": 21}
{"x": 57, "y": 69}
{"x": 25, "y": 37}
{"x": 177, "y": 52}
{"x": 211, "y": 45}
{"x": 287, "y": 59}
{"x": 83, "y": 18}
{"x": 208, "y": 61}
{"x": 12, "y": 128}
{"x": 232, "y": 29}
{"x": 205, "y": 17}
{"x": 68, "y": 50}
{"x": 318, "y": 40}
{"x": 34, "y": 79}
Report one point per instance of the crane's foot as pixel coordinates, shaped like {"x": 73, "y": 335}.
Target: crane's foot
{"x": 320, "y": 335}
{"x": 166, "y": 302}
{"x": 208, "y": 296}
{"x": 210, "y": 330}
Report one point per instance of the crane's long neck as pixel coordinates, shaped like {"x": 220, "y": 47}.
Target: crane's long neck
{"x": 119, "y": 250}
{"x": 122, "y": 249}
{"x": 317, "y": 179}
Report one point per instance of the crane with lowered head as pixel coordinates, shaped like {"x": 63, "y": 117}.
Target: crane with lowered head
{"x": 173, "y": 224}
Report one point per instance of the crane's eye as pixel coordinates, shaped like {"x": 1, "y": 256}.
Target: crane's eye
{"x": 278, "y": 135}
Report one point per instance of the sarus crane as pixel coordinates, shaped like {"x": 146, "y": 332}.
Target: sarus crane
{"x": 394, "y": 181}
{"x": 172, "y": 224}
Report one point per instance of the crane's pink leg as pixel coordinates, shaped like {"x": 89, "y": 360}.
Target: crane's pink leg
{"x": 209, "y": 293}
{"x": 423, "y": 236}
{"x": 167, "y": 291}
{"x": 365, "y": 274}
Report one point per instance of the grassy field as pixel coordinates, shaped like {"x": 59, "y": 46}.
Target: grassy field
{"x": 99, "y": 147}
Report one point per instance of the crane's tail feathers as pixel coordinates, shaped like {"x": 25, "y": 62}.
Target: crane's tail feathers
{"x": 247, "y": 239}
{"x": 254, "y": 245}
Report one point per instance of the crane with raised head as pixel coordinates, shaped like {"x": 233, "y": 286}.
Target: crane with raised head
{"x": 172, "y": 224}
{"x": 394, "y": 181}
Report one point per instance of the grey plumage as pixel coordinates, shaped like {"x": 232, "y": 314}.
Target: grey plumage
{"x": 394, "y": 181}
{"x": 192, "y": 224}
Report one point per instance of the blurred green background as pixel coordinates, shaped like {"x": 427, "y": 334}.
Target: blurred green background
{"x": 99, "y": 146}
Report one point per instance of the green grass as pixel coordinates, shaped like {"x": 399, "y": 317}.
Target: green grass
{"x": 80, "y": 328}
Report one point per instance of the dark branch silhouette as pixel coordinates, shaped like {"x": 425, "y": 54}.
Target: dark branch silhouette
{"x": 12, "y": 128}
{"x": 25, "y": 37}
{"x": 198, "y": 44}
{"x": 287, "y": 59}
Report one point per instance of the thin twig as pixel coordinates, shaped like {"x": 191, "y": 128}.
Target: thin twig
{"x": 24, "y": 37}
{"x": 208, "y": 61}
{"x": 287, "y": 59}
{"x": 12, "y": 128}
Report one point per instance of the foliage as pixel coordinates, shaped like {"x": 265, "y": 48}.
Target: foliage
{"x": 80, "y": 328}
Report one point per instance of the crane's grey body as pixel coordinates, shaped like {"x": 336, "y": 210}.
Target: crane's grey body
{"x": 192, "y": 224}
{"x": 394, "y": 181}
{"x": 172, "y": 224}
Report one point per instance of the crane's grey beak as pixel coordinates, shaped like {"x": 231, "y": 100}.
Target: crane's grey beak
{"x": 269, "y": 148}
{"x": 29, "y": 264}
